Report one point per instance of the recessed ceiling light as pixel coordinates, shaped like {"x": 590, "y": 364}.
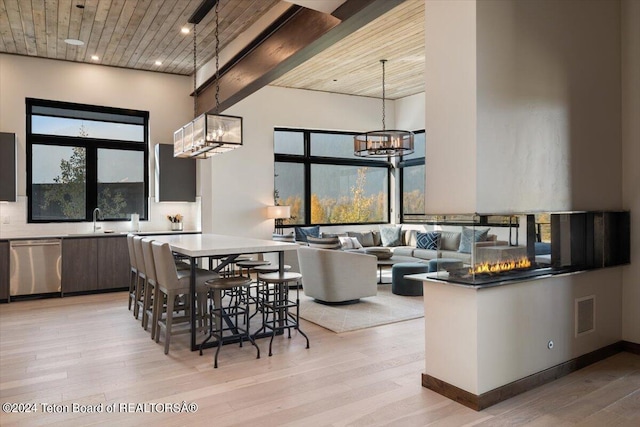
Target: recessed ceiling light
{"x": 158, "y": 62}
{"x": 95, "y": 57}
{"x": 74, "y": 42}
{"x": 185, "y": 30}
{"x": 80, "y": 6}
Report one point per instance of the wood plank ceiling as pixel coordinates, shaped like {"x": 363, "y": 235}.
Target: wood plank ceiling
{"x": 137, "y": 33}
{"x": 122, "y": 33}
{"x": 352, "y": 66}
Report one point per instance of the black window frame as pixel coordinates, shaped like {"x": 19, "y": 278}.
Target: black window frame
{"x": 91, "y": 145}
{"x": 418, "y": 161}
{"x": 307, "y": 160}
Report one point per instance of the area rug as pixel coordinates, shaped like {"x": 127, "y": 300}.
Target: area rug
{"x": 382, "y": 309}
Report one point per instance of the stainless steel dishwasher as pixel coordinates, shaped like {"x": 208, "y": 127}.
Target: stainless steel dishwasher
{"x": 35, "y": 266}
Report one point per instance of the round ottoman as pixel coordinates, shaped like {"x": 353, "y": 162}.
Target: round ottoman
{"x": 440, "y": 264}
{"x": 402, "y": 286}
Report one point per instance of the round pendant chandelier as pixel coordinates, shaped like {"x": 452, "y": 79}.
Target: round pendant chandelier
{"x": 383, "y": 143}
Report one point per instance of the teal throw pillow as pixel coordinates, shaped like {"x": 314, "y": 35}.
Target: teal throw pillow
{"x": 303, "y": 232}
{"x": 470, "y": 236}
{"x": 391, "y": 236}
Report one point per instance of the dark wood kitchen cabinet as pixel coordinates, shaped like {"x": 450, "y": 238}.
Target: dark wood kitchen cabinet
{"x": 175, "y": 177}
{"x": 79, "y": 265}
{"x": 8, "y": 177}
{"x": 4, "y": 271}
{"x": 113, "y": 263}
{"x": 98, "y": 263}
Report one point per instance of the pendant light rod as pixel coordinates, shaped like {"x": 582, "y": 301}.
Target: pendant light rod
{"x": 217, "y": 35}
{"x": 195, "y": 90}
{"x": 384, "y": 116}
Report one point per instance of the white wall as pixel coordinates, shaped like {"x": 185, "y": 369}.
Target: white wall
{"x": 548, "y": 137}
{"x": 630, "y": 170}
{"x": 479, "y": 340}
{"x": 166, "y": 97}
{"x": 410, "y": 112}
{"x": 237, "y": 186}
{"x": 548, "y": 134}
{"x": 450, "y": 106}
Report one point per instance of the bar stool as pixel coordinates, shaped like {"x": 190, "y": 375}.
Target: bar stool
{"x": 270, "y": 268}
{"x": 276, "y": 305}
{"x": 249, "y": 265}
{"x": 219, "y": 315}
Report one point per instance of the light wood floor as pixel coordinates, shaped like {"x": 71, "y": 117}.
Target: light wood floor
{"x": 90, "y": 350}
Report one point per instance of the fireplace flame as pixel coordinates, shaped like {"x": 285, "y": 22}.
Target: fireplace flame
{"x": 501, "y": 266}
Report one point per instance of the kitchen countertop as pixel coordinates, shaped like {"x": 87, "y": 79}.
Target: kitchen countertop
{"x": 35, "y": 236}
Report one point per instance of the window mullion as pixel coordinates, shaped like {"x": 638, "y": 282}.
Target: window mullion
{"x": 307, "y": 177}
{"x": 91, "y": 181}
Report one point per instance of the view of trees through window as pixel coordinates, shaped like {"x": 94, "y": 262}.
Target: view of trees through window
{"x": 73, "y": 170}
{"x": 322, "y": 189}
{"x": 412, "y": 179}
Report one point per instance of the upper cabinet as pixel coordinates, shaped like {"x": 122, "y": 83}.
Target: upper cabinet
{"x": 175, "y": 177}
{"x": 7, "y": 167}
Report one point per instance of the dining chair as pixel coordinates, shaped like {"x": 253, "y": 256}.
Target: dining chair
{"x": 150, "y": 284}
{"x": 170, "y": 283}
{"x": 142, "y": 277}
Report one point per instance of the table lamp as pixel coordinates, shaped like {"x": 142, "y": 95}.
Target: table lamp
{"x": 279, "y": 213}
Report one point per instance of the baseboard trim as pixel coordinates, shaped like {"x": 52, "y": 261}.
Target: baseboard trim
{"x": 507, "y": 391}
{"x": 631, "y": 347}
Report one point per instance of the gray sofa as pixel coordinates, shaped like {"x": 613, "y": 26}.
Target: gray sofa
{"x": 449, "y": 245}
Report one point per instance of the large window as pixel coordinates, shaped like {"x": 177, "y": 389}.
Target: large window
{"x": 412, "y": 180}
{"x": 317, "y": 174}
{"x": 80, "y": 157}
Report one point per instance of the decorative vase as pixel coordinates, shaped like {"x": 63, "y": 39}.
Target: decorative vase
{"x": 176, "y": 226}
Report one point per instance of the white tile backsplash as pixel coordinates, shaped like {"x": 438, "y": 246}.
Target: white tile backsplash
{"x": 13, "y": 220}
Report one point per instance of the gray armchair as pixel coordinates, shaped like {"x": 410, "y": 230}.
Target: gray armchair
{"x": 337, "y": 277}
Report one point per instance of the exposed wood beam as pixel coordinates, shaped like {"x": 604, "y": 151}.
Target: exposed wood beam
{"x": 202, "y": 11}
{"x": 302, "y": 34}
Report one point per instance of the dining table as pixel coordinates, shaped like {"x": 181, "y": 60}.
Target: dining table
{"x": 206, "y": 245}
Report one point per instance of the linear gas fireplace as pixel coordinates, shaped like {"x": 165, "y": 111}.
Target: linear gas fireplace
{"x": 491, "y": 249}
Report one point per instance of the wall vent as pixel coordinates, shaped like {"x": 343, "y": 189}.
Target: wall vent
{"x": 585, "y": 310}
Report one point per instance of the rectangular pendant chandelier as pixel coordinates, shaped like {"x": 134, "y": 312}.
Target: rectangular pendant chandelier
{"x": 208, "y": 135}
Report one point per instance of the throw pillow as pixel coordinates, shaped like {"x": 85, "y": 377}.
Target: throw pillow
{"x": 365, "y": 239}
{"x": 377, "y": 241}
{"x": 303, "y": 232}
{"x": 350, "y": 243}
{"x": 290, "y": 237}
{"x": 324, "y": 242}
{"x": 449, "y": 240}
{"x": 470, "y": 236}
{"x": 391, "y": 235}
{"x": 429, "y": 240}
